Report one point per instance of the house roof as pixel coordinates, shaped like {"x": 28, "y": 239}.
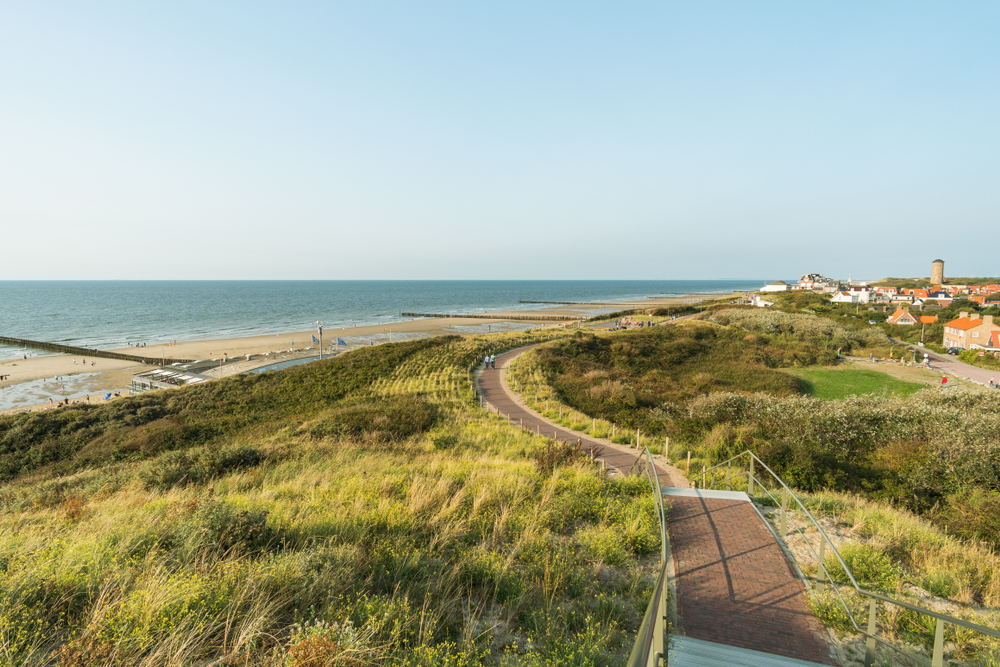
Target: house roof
{"x": 928, "y": 319}
{"x": 995, "y": 339}
{"x": 899, "y": 315}
{"x": 964, "y": 323}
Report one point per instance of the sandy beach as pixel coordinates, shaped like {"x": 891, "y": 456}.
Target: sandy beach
{"x": 32, "y": 380}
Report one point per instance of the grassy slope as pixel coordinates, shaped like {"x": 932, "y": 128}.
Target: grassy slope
{"x": 624, "y": 377}
{"x": 891, "y": 548}
{"x": 840, "y": 382}
{"x": 184, "y": 526}
{"x": 925, "y": 450}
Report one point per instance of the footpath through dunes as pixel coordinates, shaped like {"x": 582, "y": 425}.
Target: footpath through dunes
{"x": 738, "y": 596}
{"x": 499, "y": 398}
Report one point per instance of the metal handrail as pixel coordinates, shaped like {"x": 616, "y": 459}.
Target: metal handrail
{"x": 870, "y": 633}
{"x": 651, "y": 642}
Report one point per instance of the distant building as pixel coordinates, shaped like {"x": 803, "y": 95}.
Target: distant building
{"x": 816, "y": 281}
{"x": 776, "y": 286}
{"x": 941, "y": 297}
{"x": 937, "y": 272}
{"x": 967, "y": 331}
{"x": 845, "y": 297}
{"x": 903, "y": 317}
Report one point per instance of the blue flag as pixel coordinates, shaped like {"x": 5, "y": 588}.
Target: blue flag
{"x": 340, "y": 341}
{"x": 315, "y": 340}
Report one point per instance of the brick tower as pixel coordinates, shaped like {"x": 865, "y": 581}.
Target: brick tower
{"x": 937, "y": 272}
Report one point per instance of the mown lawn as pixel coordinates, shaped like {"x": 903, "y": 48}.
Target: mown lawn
{"x": 834, "y": 384}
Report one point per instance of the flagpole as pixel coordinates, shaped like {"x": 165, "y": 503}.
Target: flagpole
{"x": 320, "y": 326}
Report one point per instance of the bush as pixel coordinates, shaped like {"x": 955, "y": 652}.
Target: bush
{"x": 378, "y": 420}
{"x": 554, "y": 455}
{"x": 196, "y": 466}
{"x": 971, "y": 514}
{"x": 872, "y": 569}
{"x": 221, "y": 525}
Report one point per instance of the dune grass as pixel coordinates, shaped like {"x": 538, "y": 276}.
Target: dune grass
{"x": 356, "y": 511}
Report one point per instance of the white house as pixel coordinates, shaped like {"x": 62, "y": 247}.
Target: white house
{"x": 776, "y": 286}
{"x": 845, "y": 297}
{"x": 761, "y": 303}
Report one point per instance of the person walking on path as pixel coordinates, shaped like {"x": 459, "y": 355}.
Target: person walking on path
{"x": 991, "y": 382}
{"x": 493, "y": 361}
{"x": 487, "y": 361}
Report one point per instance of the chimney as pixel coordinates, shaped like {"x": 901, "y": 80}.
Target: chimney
{"x": 988, "y": 319}
{"x": 974, "y": 316}
{"x": 964, "y": 313}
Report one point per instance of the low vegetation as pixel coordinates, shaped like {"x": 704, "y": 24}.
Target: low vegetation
{"x": 356, "y": 511}
{"x": 932, "y": 451}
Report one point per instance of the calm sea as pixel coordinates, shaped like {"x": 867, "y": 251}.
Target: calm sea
{"x": 109, "y": 314}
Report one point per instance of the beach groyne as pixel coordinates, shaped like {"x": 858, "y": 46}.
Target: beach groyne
{"x": 88, "y": 352}
{"x": 582, "y": 303}
{"x": 525, "y": 318}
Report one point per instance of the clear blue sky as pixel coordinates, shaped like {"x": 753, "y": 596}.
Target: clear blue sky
{"x": 461, "y": 140}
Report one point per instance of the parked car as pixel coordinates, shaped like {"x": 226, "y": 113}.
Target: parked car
{"x": 953, "y": 351}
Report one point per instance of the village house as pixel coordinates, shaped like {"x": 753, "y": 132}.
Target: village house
{"x": 816, "y": 281}
{"x": 902, "y": 316}
{"x": 942, "y": 297}
{"x": 776, "y": 286}
{"x": 845, "y": 297}
{"x": 967, "y": 331}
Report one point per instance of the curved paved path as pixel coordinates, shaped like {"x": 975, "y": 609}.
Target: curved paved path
{"x": 734, "y": 584}
{"x": 497, "y": 394}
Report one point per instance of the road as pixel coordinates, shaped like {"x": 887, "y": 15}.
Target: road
{"x": 949, "y": 365}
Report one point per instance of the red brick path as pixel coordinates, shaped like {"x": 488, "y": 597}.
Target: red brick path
{"x": 734, "y": 584}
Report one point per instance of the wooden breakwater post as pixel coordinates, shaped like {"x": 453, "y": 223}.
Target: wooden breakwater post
{"x": 480, "y": 316}
{"x": 88, "y": 352}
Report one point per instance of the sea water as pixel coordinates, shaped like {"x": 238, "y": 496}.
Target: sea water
{"x": 111, "y": 314}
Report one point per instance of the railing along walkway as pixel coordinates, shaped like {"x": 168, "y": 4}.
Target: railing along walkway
{"x": 749, "y": 472}
{"x": 732, "y": 581}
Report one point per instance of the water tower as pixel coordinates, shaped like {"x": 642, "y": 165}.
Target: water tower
{"x": 937, "y": 272}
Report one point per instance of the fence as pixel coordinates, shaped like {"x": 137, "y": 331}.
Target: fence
{"x": 652, "y": 641}
{"x": 88, "y": 352}
{"x": 870, "y": 630}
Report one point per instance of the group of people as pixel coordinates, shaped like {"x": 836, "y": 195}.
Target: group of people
{"x": 491, "y": 361}
{"x": 632, "y": 323}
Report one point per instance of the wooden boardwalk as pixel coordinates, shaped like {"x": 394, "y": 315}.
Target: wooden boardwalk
{"x": 733, "y": 583}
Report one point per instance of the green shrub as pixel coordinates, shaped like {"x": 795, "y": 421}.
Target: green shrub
{"x": 872, "y": 569}
{"x": 971, "y": 514}
{"x": 196, "y": 465}
{"x": 378, "y": 420}
{"x": 225, "y": 527}
{"x": 604, "y": 545}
